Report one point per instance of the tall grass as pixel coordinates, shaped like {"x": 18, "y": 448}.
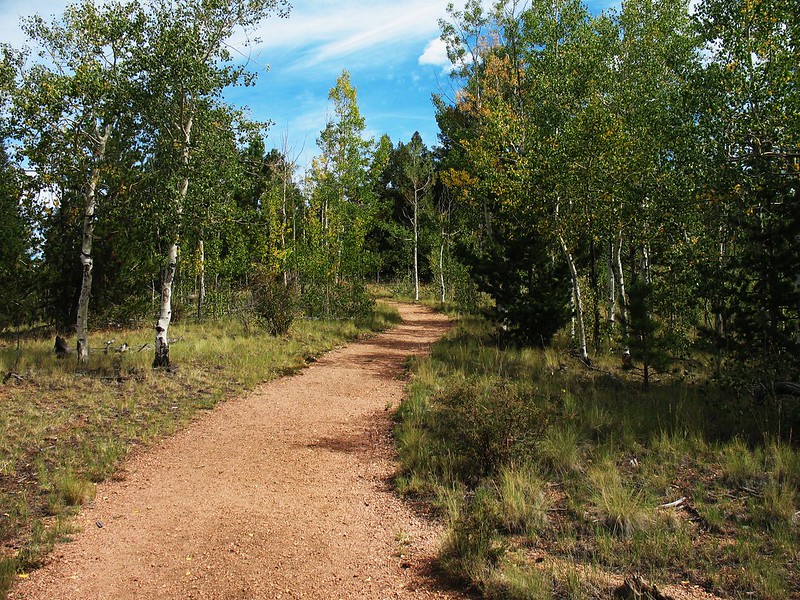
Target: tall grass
{"x": 523, "y": 499}
{"x": 619, "y": 507}
{"x": 527, "y": 452}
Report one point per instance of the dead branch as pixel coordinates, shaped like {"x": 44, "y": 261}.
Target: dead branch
{"x": 12, "y": 375}
{"x": 674, "y": 504}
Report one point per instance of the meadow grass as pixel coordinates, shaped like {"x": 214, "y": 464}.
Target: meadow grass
{"x": 527, "y": 453}
{"x": 65, "y": 427}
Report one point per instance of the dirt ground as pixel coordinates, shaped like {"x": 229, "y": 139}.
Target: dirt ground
{"x": 283, "y": 493}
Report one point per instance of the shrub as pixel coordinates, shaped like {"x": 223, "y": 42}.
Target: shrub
{"x": 274, "y": 304}
{"x": 342, "y": 300}
{"x": 486, "y": 423}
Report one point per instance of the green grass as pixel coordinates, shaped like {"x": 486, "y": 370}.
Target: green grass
{"x": 523, "y": 499}
{"x": 559, "y": 450}
{"x": 64, "y": 427}
{"x": 526, "y": 453}
{"x": 516, "y": 580}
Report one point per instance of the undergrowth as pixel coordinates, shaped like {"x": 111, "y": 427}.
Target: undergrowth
{"x": 64, "y": 428}
{"x": 547, "y": 473}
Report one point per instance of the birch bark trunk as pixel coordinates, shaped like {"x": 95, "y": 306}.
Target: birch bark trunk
{"x": 87, "y": 261}
{"x": 612, "y": 284}
{"x": 161, "y": 359}
{"x": 576, "y": 295}
{"x": 416, "y": 245}
{"x": 201, "y": 292}
{"x": 623, "y": 299}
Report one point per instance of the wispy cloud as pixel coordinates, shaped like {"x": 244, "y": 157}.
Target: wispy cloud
{"x": 326, "y": 32}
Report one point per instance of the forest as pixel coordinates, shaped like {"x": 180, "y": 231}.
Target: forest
{"x": 624, "y": 185}
{"x": 632, "y": 175}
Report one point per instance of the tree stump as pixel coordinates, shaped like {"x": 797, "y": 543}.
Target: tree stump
{"x": 61, "y": 348}
{"x": 636, "y": 588}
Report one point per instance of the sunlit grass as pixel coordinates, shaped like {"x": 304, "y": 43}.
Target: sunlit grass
{"x": 742, "y": 466}
{"x": 72, "y": 490}
{"x": 523, "y": 499}
{"x": 514, "y": 581}
{"x": 609, "y": 459}
{"x": 619, "y": 507}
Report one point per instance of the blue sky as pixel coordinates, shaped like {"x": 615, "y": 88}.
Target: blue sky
{"x": 390, "y": 48}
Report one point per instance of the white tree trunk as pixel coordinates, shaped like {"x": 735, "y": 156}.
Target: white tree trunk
{"x": 165, "y": 317}
{"x": 623, "y": 299}
{"x": 416, "y": 244}
{"x": 87, "y": 261}
{"x": 441, "y": 267}
{"x": 161, "y": 359}
{"x": 576, "y": 295}
{"x": 612, "y": 284}
{"x": 572, "y": 317}
{"x": 201, "y": 275}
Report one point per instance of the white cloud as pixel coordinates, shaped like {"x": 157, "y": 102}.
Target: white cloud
{"x": 435, "y": 54}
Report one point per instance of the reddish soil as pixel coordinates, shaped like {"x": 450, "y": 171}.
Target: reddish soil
{"x": 284, "y": 493}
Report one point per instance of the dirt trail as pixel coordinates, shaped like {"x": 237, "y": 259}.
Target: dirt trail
{"x": 279, "y": 494}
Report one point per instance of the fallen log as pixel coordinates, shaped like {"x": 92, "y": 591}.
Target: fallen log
{"x": 777, "y": 388}
{"x": 788, "y": 388}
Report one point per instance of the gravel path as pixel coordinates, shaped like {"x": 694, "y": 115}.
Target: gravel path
{"x": 283, "y": 493}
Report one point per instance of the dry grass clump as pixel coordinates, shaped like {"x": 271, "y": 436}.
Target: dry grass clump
{"x": 519, "y": 581}
{"x": 72, "y": 490}
{"x": 523, "y": 499}
{"x": 621, "y": 509}
{"x": 778, "y": 508}
{"x": 742, "y": 466}
{"x": 559, "y": 450}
